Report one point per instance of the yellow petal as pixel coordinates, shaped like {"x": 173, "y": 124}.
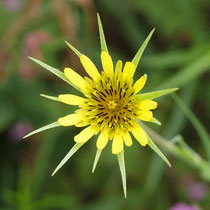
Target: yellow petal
{"x": 102, "y": 140}
{"x": 147, "y": 105}
{"x": 128, "y": 70}
{"x": 90, "y": 68}
{"x": 107, "y": 63}
{"x": 69, "y": 120}
{"x": 139, "y": 84}
{"x": 82, "y": 124}
{"x": 71, "y": 99}
{"x": 117, "y": 144}
{"x": 145, "y": 115}
{"x": 127, "y": 139}
{"x": 84, "y": 135}
{"x": 140, "y": 135}
{"x": 75, "y": 78}
{"x": 118, "y": 68}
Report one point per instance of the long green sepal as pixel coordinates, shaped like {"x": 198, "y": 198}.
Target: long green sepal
{"x": 155, "y": 149}
{"x": 154, "y": 120}
{"x": 73, "y": 49}
{"x": 121, "y": 162}
{"x": 69, "y": 155}
{"x": 98, "y": 154}
{"x": 138, "y": 55}
{"x": 53, "y": 98}
{"x": 53, "y": 70}
{"x": 155, "y": 94}
{"x": 46, "y": 127}
{"x": 101, "y": 34}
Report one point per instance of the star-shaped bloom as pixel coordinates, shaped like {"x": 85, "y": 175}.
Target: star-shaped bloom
{"x": 112, "y": 107}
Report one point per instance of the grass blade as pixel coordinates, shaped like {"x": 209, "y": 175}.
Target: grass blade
{"x": 46, "y": 127}
{"x": 203, "y": 134}
{"x": 66, "y": 158}
{"x": 189, "y": 73}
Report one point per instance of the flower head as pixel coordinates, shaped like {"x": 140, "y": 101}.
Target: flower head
{"x": 111, "y": 107}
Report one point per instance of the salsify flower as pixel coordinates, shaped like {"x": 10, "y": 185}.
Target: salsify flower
{"x": 111, "y": 108}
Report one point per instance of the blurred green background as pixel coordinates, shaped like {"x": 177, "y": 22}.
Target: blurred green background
{"x": 178, "y": 55}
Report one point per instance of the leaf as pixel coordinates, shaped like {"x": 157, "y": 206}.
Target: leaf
{"x": 50, "y": 97}
{"x": 74, "y": 49}
{"x": 155, "y": 94}
{"x": 54, "y": 71}
{"x": 98, "y": 154}
{"x": 66, "y": 158}
{"x": 155, "y": 148}
{"x": 138, "y": 55}
{"x": 121, "y": 162}
{"x": 46, "y": 127}
{"x": 101, "y": 34}
{"x": 203, "y": 134}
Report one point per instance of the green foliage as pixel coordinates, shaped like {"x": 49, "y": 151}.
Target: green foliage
{"x": 177, "y": 56}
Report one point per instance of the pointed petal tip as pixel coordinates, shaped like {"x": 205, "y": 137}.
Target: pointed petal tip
{"x": 93, "y": 170}
{"x": 54, "y": 172}
{"x": 139, "y": 53}
{"x": 101, "y": 34}
{"x": 168, "y": 163}
{"x": 68, "y": 44}
{"x": 98, "y": 154}
{"x": 121, "y": 162}
{"x": 31, "y": 58}
{"x": 27, "y": 135}
{"x": 73, "y": 49}
{"x": 159, "y": 123}
{"x": 98, "y": 16}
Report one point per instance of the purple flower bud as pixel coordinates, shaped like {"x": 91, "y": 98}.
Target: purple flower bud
{"x": 19, "y": 130}
{"x": 12, "y": 5}
{"x": 197, "y": 190}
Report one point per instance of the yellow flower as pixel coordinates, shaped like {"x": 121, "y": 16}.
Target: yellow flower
{"x": 111, "y": 107}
